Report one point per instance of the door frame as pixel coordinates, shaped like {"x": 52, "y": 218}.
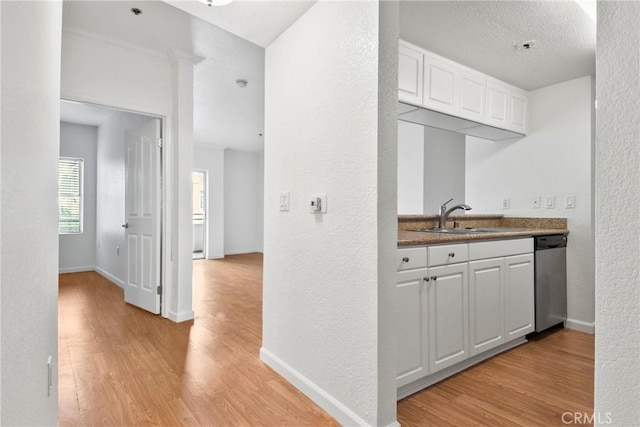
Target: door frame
{"x": 205, "y": 227}
{"x": 166, "y": 191}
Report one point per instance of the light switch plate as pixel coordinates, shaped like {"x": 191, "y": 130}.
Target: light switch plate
{"x": 550, "y": 202}
{"x": 570, "y": 202}
{"x": 284, "y": 201}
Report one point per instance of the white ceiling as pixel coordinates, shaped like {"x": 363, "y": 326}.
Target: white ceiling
{"x": 483, "y": 34}
{"x": 224, "y": 114}
{"x": 479, "y": 34}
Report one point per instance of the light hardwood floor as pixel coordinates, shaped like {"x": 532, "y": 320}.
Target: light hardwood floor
{"x": 120, "y": 366}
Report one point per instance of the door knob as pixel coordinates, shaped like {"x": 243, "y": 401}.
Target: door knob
{"x": 126, "y": 225}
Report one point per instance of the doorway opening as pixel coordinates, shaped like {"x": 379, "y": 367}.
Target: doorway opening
{"x": 199, "y": 179}
{"x": 117, "y": 200}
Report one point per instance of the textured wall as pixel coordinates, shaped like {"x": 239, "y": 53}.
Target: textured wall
{"x": 617, "y": 376}
{"x": 554, "y": 159}
{"x": 328, "y": 278}
{"x": 78, "y": 251}
{"x": 29, "y": 209}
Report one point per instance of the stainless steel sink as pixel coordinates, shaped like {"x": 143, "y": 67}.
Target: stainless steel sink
{"x": 464, "y": 230}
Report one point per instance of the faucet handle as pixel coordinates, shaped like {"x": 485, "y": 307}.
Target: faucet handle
{"x": 443, "y": 207}
{"x": 448, "y": 201}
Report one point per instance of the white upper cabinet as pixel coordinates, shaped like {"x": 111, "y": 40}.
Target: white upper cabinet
{"x": 436, "y": 83}
{"x": 472, "y": 90}
{"x": 518, "y": 104}
{"x": 439, "y": 86}
{"x": 497, "y": 99}
{"x": 410, "y": 71}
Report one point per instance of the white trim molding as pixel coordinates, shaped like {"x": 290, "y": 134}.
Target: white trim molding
{"x": 327, "y": 402}
{"x": 110, "y": 277}
{"x": 579, "y": 325}
{"x": 80, "y": 269}
{"x": 181, "y": 317}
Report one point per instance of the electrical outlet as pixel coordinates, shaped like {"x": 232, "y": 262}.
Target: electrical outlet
{"x": 318, "y": 203}
{"x": 118, "y": 250}
{"x": 535, "y": 202}
{"x": 506, "y": 203}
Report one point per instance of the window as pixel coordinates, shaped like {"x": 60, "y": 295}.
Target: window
{"x": 70, "y": 195}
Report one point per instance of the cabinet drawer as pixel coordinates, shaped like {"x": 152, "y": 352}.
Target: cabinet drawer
{"x": 448, "y": 254}
{"x": 409, "y": 258}
{"x": 500, "y": 248}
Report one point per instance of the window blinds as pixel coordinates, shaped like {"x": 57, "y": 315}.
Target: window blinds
{"x": 70, "y": 195}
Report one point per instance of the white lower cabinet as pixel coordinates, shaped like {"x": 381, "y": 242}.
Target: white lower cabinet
{"x": 448, "y": 316}
{"x": 411, "y": 326}
{"x": 486, "y": 304}
{"x": 519, "y": 303}
{"x": 448, "y": 312}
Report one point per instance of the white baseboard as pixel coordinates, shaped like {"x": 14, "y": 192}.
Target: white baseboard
{"x": 241, "y": 252}
{"x": 216, "y": 256}
{"x": 76, "y": 269}
{"x": 181, "y": 317}
{"x": 337, "y": 410}
{"x": 579, "y": 325}
{"x": 110, "y": 277}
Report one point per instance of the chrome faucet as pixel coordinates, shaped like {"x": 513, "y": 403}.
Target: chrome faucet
{"x": 444, "y": 213}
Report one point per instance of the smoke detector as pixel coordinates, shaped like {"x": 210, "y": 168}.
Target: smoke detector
{"x": 528, "y": 45}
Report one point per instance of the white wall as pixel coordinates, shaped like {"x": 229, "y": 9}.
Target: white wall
{"x": 553, "y": 160}
{"x": 29, "y": 210}
{"x": 410, "y": 168}
{"x": 444, "y": 169}
{"x": 243, "y": 200}
{"x": 211, "y": 159}
{"x": 617, "y": 364}
{"x": 331, "y": 127}
{"x": 78, "y": 251}
{"x": 431, "y": 168}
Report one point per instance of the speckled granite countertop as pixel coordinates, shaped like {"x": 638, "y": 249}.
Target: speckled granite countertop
{"x": 516, "y": 227}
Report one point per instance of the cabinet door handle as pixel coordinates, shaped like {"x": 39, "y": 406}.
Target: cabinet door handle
{"x": 405, "y": 259}
{"x": 426, "y": 279}
{"x": 434, "y": 278}
{"x": 126, "y": 225}
{"x": 452, "y": 254}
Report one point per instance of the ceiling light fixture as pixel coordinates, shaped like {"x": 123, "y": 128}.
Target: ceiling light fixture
{"x": 241, "y": 83}
{"x": 216, "y": 2}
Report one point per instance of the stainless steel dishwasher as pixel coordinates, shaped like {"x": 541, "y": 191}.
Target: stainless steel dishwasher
{"x": 550, "y": 280}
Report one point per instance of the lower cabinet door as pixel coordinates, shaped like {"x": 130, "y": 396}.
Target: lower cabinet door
{"x": 519, "y": 302}
{"x": 411, "y": 325}
{"x": 486, "y": 304}
{"x": 448, "y": 316}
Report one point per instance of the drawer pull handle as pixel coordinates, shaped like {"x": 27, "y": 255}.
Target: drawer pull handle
{"x": 452, "y": 254}
{"x": 405, "y": 259}
{"x": 434, "y": 278}
{"x": 426, "y": 279}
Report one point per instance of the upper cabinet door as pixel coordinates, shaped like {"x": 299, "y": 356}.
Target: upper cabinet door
{"x": 410, "y": 70}
{"x": 497, "y": 99}
{"x": 518, "y": 113}
{"x": 472, "y": 88}
{"x": 439, "y": 86}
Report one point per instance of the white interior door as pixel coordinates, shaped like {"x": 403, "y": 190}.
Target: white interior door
{"x": 142, "y": 216}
